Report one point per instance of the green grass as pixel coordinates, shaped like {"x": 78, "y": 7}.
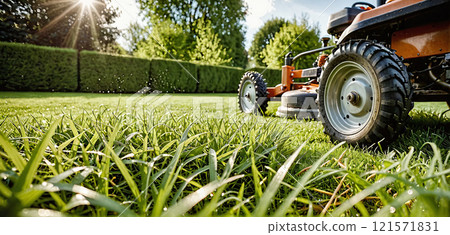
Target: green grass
{"x": 81, "y": 154}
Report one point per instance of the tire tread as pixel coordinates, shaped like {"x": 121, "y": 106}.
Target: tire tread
{"x": 395, "y": 91}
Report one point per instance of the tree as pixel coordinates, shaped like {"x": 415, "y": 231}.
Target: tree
{"x": 166, "y": 40}
{"x": 208, "y": 47}
{"x": 292, "y": 37}
{"x": 262, "y": 38}
{"x": 226, "y": 16}
{"x": 73, "y": 24}
{"x": 134, "y": 34}
{"x": 17, "y": 20}
{"x": 82, "y": 25}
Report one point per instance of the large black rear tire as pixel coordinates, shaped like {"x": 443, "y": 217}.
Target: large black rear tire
{"x": 364, "y": 94}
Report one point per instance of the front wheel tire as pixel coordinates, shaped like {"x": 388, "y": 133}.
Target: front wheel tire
{"x": 364, "y": 94}
{"x": 252, "y": 93}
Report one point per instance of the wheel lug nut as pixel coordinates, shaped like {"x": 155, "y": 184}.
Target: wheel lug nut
{"x": 353, "y": 97}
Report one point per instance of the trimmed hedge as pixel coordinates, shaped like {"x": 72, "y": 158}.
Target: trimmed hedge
{"x": 173, "y": 76}
{"x": 25, "y": 67}
{"x": 101, "y": 72}
{"x": 218, "y": 78}
{"x": 235, "y": 75}
{"x": 36, "y": 68}
{"x": 272, "y": 76}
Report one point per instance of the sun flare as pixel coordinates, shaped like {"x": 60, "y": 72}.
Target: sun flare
{"x": 86, "y": 2}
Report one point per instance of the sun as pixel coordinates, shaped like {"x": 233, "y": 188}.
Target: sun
{"x": 86, "y": 2}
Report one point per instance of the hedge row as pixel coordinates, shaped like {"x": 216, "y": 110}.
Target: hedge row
{"x": 173, "y": 76}
{"x": 103, "y": 72}
{"x": 218, "y": 78}
{"x": 36, "y": 68}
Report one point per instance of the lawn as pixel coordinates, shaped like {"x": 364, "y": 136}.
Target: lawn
{"x": 87, "y": 154}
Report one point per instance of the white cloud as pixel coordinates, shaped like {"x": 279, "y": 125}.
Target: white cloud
{"x": 256, "y": 10}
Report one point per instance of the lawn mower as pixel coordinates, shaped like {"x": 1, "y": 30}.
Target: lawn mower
{"x": 385, "y": 58}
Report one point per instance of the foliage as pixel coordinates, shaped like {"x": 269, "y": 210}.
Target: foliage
{"x": 68, "y": 24}
{"x": 407, "y": 184}
{"x": 226, "y": 18}
{"x": 71, "y": 24}
{"x": 116, "y": 48}
{"x": 134, "y": 34}
{"x": 208, "y": 47}
{"x": 112, "y": 73}
{"x": 33, "y": 68}
{"x": 292, "y": 37}
{"x": 173, "y": 76}
{"x": 155, "y": 161}
{"x": 16, "y": 20}
{"x": 218, "y": 78}
{"x": 166, "y": 40}
{"x": 263, "y": 37}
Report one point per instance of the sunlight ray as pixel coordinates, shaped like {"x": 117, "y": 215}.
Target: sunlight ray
{"x": 86, "y": 3}
{"x": 94, "y": 30}
{"x": 96, "y": 12}
{"x": 73, "y": 36}
{"x": 49, "y": 3}
{"x": 84, "y": 8}
{"x": 56, "y": 20}
{"x": 55, "y": 6}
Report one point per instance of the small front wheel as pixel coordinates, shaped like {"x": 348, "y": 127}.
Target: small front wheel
{"x": 252, "y": 93}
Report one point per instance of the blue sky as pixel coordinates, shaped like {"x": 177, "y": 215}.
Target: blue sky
{"x": 259, "y": 11}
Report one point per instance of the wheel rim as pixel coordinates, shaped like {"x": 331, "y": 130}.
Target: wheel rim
{"x": 350, "y": 97}
{"x": 248, "y": 96}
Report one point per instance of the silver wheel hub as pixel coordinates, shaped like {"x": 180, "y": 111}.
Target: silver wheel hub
{"x": 349, "y": 97}
{"x": 356, "y": 92}
{"x": 248, "y": 97}
{"x": 353, "y": 98}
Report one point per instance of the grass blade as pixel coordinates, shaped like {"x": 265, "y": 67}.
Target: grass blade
{"x": 333, "y": 196}
{"x": 124, "y": 170}
{"x": 27, "y": 198}
{"x": 65, "y": 174}
{"x": 5, "y": 191}
{"x": 168, "y": 176}
{"x": 2, "y": 165}
{"x": 62, "y": 146}
{"x": 77, "y": 200}
{"x": 186, "y": 182}
{"x": 256, "y": 178}
{"x": 281, "y": 211}
{"x": 93, "y": 197}
{"x": 399, "y": 201}
{"x": 272, "y": 189}
{"x": 27, "y": 176}
{"x": 229, "y": 167}
{"x": 192, "y": 199}
{"x": 78, "y": 179}
{"x": 361, "y": 195}
{"x": 34, "y": 212}
{"x": 209, "y": 208}
{"x": 212, "y": 165}
{"x": 12, "y": 153}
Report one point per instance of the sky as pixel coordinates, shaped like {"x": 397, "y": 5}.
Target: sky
{"x": 259, "y": 11}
